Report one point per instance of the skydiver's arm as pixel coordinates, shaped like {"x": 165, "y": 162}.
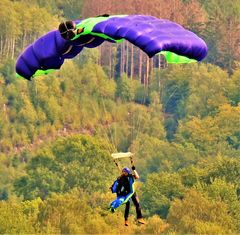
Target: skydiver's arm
{"x": 135, "y": 174}
{"x": 114, "y": 186}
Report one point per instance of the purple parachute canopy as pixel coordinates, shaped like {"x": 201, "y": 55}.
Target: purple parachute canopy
{"x": 149, "y": 33}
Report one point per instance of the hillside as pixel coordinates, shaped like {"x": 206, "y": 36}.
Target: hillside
{"x": 182, "y": 122}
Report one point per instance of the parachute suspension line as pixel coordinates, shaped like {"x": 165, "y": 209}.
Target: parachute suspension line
{"x": 138, "y": 125}
{"x": 111, "y": 139}
{"x": 138, "y": 122}
{"x": 109, "y": 148}
{"x": 170, "y": 97}
{"x": 133, "y": 124}
{"x": 131, "y": 160}
{"x": 131, "y": 127}
{"x": 117, "y": 164}
{"x": 138, "y": 129}
{"x": 34, "y": 85}
{"x": 115, "y": 134}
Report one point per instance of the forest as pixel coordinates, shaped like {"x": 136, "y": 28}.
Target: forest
{"x": 182, "y": 122}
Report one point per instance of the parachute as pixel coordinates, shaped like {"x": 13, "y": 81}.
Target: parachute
{"x": 149, "y": 33}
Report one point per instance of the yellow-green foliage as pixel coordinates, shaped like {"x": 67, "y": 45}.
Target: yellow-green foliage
{"x": 73, "y": 213}
{"x": 19, "y": 218}
{"x": 182, "y": 124}
{"x": 198, "y": 214}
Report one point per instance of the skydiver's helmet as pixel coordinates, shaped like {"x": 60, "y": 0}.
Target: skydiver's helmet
{"x": 127, "y": 170}
{"x": 67, "y": 29}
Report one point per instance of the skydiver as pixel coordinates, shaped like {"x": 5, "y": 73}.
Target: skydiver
{"x": 123, "y": 187}
{"x": 69, "y": 30}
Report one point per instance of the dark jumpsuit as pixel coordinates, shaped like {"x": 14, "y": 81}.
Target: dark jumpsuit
{"x": 123, "y": 189}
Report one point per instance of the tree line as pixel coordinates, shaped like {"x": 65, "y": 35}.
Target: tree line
{"x": 182, "y": 122}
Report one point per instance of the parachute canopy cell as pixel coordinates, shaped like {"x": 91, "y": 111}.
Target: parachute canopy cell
{"x": 149, "y": 33}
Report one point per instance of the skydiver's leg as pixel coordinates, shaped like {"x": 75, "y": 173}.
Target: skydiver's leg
{"x": 127, "y": 213}
{"x": 137, "y": 205}
{"x": 127, "y": 208}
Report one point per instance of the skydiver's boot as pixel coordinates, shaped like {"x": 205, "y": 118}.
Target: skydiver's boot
{"x": 126, "y": 223}
{"x": 141, "y": 221}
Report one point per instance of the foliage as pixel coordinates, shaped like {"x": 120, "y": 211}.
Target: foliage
{"x": 77, "y": 161}
{"x": 181, "y": 122}
{"x": 226, "y": 192}
{"x": 125, "y": 89}
{"x": 198, "y": 214}
{"x": 154, "y": 155}
{"x": 18, "y": 217}
{"x": 220, "y": 130}
{"x": 159, "y": 190}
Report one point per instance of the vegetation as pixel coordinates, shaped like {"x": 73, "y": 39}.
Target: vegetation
{"x": 182, "y": 122}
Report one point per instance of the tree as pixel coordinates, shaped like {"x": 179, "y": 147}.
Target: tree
{"x": 155, "y": 225}
{"x": 154, "y": 155}
{"x": 226, "y": 192}
{"x": 198, "y": 214}
{"x": 76, "y": 161}
{"x": 222, "y": 32}
{"x": 125, "y": 89}
{"x": 224, "y": 168}
{"x": 20, "y": 224}
{"x": 206, "y": 90}
{"x": 159, "y": 191}
{"x": 222, "y": 131}
{"x": 233, "y": 88}
{"x": 77, "y": 212}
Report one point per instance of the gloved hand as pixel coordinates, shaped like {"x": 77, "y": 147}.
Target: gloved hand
{"x": 133, "y": 168}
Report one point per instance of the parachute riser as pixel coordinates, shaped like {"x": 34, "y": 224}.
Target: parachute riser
{"x": 118, "y": 156}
